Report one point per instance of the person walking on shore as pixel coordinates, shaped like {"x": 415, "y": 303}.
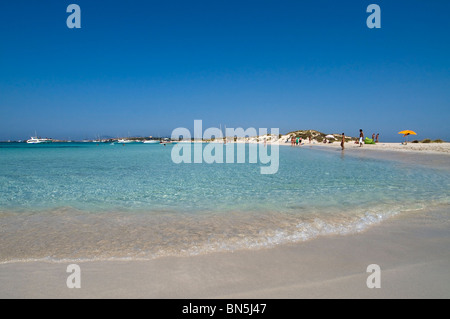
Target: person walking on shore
{"x": 361, "y": 137}
{"x": 343, "y": 141}
{"x": 376, "y": 138}
{"x": 373, "y": 137}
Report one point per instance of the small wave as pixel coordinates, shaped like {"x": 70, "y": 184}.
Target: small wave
{"x": 138, "y": 238}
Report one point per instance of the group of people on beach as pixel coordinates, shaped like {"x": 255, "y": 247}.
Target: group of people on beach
{"x": 375, "y": 137}
{"x": 298, "y": 140}
{"x": 361, "y": 139}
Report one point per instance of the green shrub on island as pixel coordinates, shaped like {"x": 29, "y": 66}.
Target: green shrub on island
{"x": 427, "y": 140}
{"x": 302, "y": 136}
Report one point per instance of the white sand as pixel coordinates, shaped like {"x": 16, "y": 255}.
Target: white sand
{"x": 430, "y": 148}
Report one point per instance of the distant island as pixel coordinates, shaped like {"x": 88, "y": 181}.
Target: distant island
{"x": 316, "y": 137}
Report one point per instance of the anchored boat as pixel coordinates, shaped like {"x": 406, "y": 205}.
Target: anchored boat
{"x": 37, "y": 140}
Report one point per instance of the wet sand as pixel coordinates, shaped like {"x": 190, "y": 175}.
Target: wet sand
{"x": 412, "y": 251}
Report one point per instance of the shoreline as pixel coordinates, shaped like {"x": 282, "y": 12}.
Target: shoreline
{"x": 413, "y": 148}
{"x": 411, "y": 250}
{"x": 432, "y": 159}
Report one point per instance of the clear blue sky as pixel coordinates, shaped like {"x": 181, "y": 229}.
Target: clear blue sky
{"x": 146, "y": 67}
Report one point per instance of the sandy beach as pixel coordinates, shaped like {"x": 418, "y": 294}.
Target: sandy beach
{"x": 429, "y": 148}
{"x": 412, "y": 252}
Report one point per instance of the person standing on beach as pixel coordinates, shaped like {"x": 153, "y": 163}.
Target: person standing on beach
{"x": 361, "y": 137}
{"x": 343, "y": 141}
{"x": 373, "y": 137}
{"x": 376, "y": 141}
{"x": 309, "y": 137}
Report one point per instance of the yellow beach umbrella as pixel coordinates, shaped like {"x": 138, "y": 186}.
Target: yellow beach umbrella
{"x": 406, "y": 133}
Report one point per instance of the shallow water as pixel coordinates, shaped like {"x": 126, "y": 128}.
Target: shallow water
{"x": 83, "y": 201}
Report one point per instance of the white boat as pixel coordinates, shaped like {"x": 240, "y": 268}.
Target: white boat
{"x": 167, "y": 141}
{"x": 151, "y": 142}
{"x": 36, "y": 140}
{"x": 124, "y": 141}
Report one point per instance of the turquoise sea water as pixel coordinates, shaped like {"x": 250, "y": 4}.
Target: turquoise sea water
{"x": 83, "y": 201}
